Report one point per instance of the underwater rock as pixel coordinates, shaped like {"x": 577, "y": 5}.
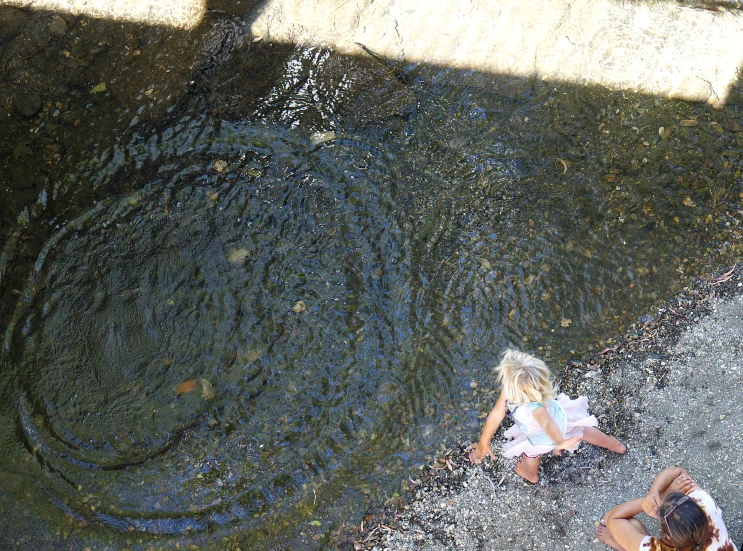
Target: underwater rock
{"x": 207, "y": 389}
{"x": 238, "y": 256}
{"x": 220, "y": 166}
{"x": 27, "y": 105}
{"x": 12, "y": 21}
{"x": 371, "y": 90}
{"x": 58, "y": 26}
{"x": 22, "y": 177}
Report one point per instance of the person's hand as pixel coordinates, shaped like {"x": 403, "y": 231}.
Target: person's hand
{"x": 480, "y": 452}
{"x": 566, "y": 445}
{"x": 682, "y": 483}
{"x": 650, "y": 504}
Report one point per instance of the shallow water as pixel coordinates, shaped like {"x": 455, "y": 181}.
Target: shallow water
{"x": 268, "y": 308}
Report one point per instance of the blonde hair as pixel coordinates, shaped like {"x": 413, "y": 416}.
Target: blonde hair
{"x": 524, "y": 378}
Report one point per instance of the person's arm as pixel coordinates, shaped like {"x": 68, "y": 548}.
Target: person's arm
{"x": 551, "y": 429}
{"x": 670, "y": 479}
{"x": 483, "y": 449}
{"x": 618, "y": 522}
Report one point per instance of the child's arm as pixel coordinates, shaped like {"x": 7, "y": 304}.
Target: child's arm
{"x": 670, "y": 479}
{"x": 549, "y": 427}
{"x": 495, "y": 418}
{"x": 618, "y": 522}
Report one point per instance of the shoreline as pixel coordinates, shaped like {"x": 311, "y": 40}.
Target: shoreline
{"x": 688, "y": 354}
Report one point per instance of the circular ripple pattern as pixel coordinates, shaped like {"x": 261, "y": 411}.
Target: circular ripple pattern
{"x": 192, "y": 355}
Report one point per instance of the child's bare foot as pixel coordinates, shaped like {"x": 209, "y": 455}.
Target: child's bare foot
{"x": 603, "y": 534}
{"x": 618, "y": 447}
{"x": 594, "y": 436}
{"x": 528, "y": 469}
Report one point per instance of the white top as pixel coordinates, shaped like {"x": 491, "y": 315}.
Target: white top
{"x": 719, "y": 539}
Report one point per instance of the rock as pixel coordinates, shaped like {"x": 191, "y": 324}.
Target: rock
{"x": 27, "y": 105}
{"x": 322, "y": 137}
{"x": 207, "y": 389}
{"x": 12, "y": 21}
{"x": 22, "y": 177}
{"x": 688, "y": 122}
{"x": 238, "y": 256}
{"x": 58, "y": 26}
{"x": 735, "y": 126}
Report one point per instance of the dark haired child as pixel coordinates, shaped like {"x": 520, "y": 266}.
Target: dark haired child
{"x": 689, "y": 518}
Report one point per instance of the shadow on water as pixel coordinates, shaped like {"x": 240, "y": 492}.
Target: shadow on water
{"x": 248, "y": 288}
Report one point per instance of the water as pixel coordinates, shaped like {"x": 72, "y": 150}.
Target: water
{"x": 259, "y": 315}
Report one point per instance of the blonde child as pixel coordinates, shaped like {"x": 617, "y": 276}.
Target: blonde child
{"x": 542, "y": 423}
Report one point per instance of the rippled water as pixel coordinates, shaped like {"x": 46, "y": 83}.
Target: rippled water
{"x": 279, "y": 316}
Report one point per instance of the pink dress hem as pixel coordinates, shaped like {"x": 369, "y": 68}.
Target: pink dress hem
{"x": 577, "y": 416}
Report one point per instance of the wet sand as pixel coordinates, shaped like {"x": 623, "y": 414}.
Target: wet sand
{"x": 669, "y": 391}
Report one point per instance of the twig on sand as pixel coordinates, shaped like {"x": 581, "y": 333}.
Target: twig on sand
{"x": 727, "y": 276}
{"x": 371, "y": 534}
{"x": 605, "y": 350}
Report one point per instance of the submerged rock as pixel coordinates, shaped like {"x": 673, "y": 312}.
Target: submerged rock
{"x": 12, "y": 21}
{"x": 27, "y": 105}
{"x": 22, "y": 177}
{"x": 58, "y": 26}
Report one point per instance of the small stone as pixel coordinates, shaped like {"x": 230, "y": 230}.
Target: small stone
{"x": 688, "y": 202}
{"x": 58, "y": 26}
{"x": 207, "y": 389}
{"x": 299, "y": 307}
{"x": 220, "y": 165}
{"x": 28, "y": 104}
{"x": 688, "y": 122}
{"x": 238, "y": 256}
{"x": 722, "y": 417}
{"x": 473, "y": 384}
{"x": 735, "y": 126}
{"x": 322, "y": 137}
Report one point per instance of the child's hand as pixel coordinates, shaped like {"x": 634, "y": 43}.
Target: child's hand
{"x": 479, "y": 452}
{"x": 650, "y": 504}
{"x": 683, "y": 483}
{"x": 566, "y": 445}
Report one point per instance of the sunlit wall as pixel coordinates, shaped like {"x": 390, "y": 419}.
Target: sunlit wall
{"x": 654, "y": 47}
{"x": 181, "y": 14}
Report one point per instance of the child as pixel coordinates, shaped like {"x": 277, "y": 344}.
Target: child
{"x": 542, "y": 423}
{"x": 687, "y": 515}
